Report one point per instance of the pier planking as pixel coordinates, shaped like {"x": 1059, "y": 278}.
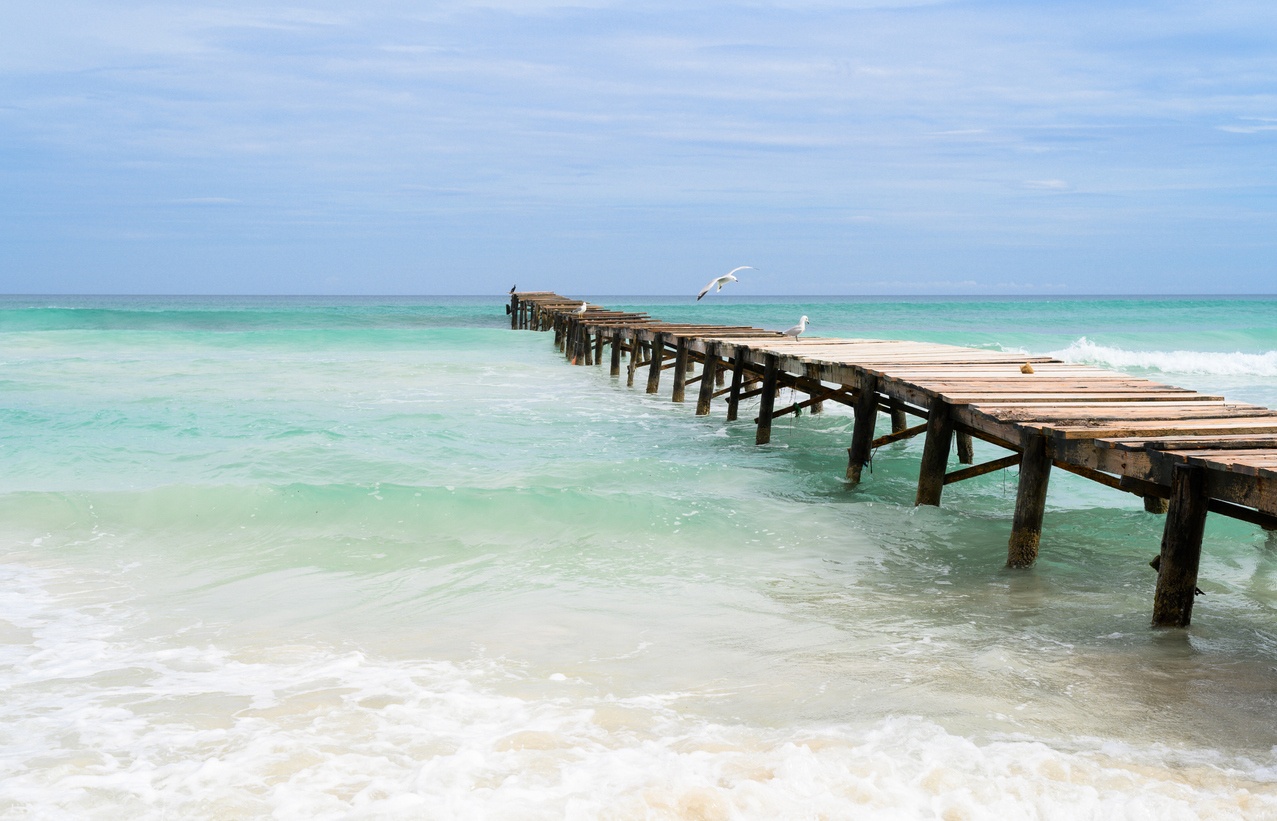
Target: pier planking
{"x": 1158, "y": 441}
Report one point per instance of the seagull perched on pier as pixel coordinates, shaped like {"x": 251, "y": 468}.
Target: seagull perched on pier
{"x": 585, "y": 306}
{"x": 512, "y": 287}
{"x": 797, "y": 329}
{"x": 723, "y": 280}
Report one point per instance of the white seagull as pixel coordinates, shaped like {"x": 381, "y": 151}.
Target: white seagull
{"x": 723, "y": 280}
{"x": 585, "y": 306}
{"x": 797, "y": 329}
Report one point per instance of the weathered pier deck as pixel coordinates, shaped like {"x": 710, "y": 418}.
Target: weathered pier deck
{"x": 1186, "y": 453}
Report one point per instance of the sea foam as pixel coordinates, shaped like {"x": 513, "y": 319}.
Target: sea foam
{"x": 98, "y": 724}
{"x": 1235, "y": 363}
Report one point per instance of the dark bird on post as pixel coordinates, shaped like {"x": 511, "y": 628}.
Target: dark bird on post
{"x": 512, "y": 287}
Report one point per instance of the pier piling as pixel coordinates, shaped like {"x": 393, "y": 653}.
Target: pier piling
{"x": 1181, "y": 548}
{"x": 1030, "y": 503}
{"x": 935, "y": 454}
{"x": 767, "y": 401}
{"x": 862, "y": 431}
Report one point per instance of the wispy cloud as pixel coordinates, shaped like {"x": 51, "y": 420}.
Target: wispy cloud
{"x": 1047, "y": 185}
{"x": 926, "y": 137}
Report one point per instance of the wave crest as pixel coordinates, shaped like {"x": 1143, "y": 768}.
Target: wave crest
{"x": 1084, "y": 351}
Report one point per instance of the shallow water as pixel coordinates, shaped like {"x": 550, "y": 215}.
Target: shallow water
{"x": 386, "y": 558}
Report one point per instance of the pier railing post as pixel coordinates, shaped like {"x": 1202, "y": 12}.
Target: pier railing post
{"x": 615, "y": 369}
{"x": 680, "y": 370}
{"x": 654, "y": 370}
{"x": 738, "y": 378}
{"x": 1030, "y": 503}
{"x": 709, "y": 374}
{"x": 1181, "y": 548}
{"x": 862, "y": 434}
{"x": 935, "y": 454}
{"x": 767, "y": 401}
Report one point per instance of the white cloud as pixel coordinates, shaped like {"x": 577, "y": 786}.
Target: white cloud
{"x": 1047, "y": 185}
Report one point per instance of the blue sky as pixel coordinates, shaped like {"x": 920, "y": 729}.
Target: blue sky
{"x": 604, "y": 147}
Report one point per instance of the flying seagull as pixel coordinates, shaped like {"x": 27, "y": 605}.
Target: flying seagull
{"x": 797, "y": 329}
{"x": 723, "y": 280}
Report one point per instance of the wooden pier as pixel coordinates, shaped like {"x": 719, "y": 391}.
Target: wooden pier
{"x": 1186, "y": 453}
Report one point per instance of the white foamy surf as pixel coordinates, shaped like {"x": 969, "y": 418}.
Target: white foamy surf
{"x": 1219, "y": 363}
{"x": 98, "y": 725}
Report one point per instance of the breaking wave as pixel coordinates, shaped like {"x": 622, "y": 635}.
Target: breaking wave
{"x": 1210, "y": 362}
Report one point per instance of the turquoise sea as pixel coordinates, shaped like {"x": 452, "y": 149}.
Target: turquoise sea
{"x": 386, "y": 558}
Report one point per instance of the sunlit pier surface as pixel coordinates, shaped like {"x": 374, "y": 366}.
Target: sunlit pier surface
{"x": 1185, "y": 453}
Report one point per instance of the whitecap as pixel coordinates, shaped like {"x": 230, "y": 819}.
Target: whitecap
{"x": 1236, "y": 363}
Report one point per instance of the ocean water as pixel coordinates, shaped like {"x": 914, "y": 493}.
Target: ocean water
{"x": 386, "y": 558}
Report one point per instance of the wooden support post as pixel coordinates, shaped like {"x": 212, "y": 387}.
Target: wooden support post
{"x": 615, "y": 369}
{"x": 632, "y": 367}
{"x": 1155, "y": 504}
{"x": 514, "y": 312}
{"x": 587, "y": 348}
{"x": 1030, "y": 503}
{"x": 866, "y": 410}
{"x": 813, "y": 372}
{"x": 966, "y": 449}
{"x": 598, "y": 349}
{"x": 654, "y": 369}
{"x": 569, "y": 340}
{"x": 899, "y": 419}
{"x": 767, "y": 401}
{"x": 558, "y": 334}
{"x": 935, "y": 454}
{"x": 681, "y": 363}
{"x": 720, "y": 376}
{"x": 709, "y": 373}
{"x": 738, "y": 378}
{"x": 1181, "y": 548}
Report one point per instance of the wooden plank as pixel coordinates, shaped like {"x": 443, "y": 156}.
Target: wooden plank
{"x": 1182, "y": 428}
{"x": 1236, "y": 441}
{"x": 1071, "y": 396}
